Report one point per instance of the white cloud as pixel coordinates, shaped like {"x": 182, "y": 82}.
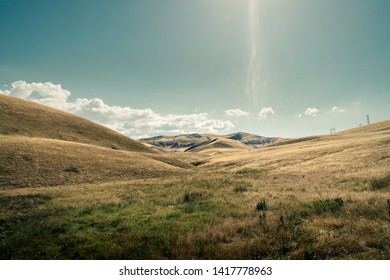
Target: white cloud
{"x": 45, "y": 93}
{"x": 132, "y": 122}
{"x": 5, "y": 92}
{"x": 299, "y": 115}
{"x": 236, "y": 113}
{"x": 265, "y": 112}
{"x": 337, "y": 110}
{"x": 313, "y": 112}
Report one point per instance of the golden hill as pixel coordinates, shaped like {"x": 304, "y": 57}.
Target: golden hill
{"x": 41, "y": 146}
{"x": 27, "y": 161}
{"x": 219, "y": 145}
{"x": 190, "y": 141}
{"x": 319, "y": 197}
{"x": 363, "y": 150}
{"x": 176, "y": 143}
{"x": 24, "y": 118}
{"x": 251, "y": 139}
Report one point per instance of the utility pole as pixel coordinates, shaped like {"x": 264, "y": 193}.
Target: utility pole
{"x": 368, "y": 119}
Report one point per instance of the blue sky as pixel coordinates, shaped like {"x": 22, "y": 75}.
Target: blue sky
{"x": 274, "y": 68}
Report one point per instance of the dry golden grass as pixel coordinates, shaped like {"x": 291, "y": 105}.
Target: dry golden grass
{"x": 200, "y": 215}
{"x": 33, "y": 162}
{"x": 220, "y": 146}
{"x": 41, "y": 146}
{"x": 24, "y": 118}
{"x": 317, "y": 196}
{"x": 360, "y": 152}
{"x": 176, "y": 143}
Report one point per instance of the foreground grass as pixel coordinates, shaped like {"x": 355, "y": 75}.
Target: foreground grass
{"x": 203, "y": 215}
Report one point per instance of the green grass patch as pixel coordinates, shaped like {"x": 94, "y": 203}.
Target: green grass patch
{"x": 23, "y": 202}
{"x": 380, "y": 183}
{"x": 196, "y": 217}
{"x": 86, "y": 211}
{"x": 173, "y": 216}
{"x": 4, "y": 170}
{"x": 327, "y": 205}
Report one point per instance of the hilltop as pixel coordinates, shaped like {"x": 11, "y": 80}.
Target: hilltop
{"x": 188, "y": 142}
{"x": 25, "y": 118}
{"x": 42, "y": 146}
{"x": 358, "y": 151}
{"x": 218, "y": 145}
{"x": 68, "y": 190}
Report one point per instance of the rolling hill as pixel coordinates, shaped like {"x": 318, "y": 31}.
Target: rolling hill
{"x": 218, "y": 144}
{"x": 187, "y": 142}
{"x": 179, "y": 142}
{"x": 41, "y": 146}
{"x": 72, "y": 189}
{"x": 32, "y": 162}
{"x": 251, "y": 139}
{"x": 358, "y": 152}
{"x": 25, "y": 118}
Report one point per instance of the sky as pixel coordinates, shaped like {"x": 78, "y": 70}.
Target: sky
{"x": 146, "y": 67}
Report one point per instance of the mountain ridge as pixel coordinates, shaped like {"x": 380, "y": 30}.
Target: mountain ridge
{"x": 190, "y": 141}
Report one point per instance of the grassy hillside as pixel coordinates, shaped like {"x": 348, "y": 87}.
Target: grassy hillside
{"x": 218, "y": 145}
{"x": 24, "y": 118}
{"x": 359, "y": 151}
{"x": 176, "y": 143}
{"x": 251, "y": 139}
{"x": 320, "y": 197}
{"x": 33, "y": 162}
{"x": 41, "y": 146}
{"x": 185, "y": 142}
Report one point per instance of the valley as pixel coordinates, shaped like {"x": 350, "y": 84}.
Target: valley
{"x": 73, "y": 189}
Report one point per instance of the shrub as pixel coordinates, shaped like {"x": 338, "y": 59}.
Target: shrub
{"x": 327, "y": 205}
{"x": 261, "y": 205}
{"x": 191, "y": 197}
{"x": 72, "y": 169}
{"x": 380, "y": 183}
{"x": 4, "y": 171}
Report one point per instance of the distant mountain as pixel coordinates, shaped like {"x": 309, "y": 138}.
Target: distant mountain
{"x": 188, "y": 142}
{"x": 251, "y": 139}
{"x": 176, "y": 142}
{"x": 218, "y": 144}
